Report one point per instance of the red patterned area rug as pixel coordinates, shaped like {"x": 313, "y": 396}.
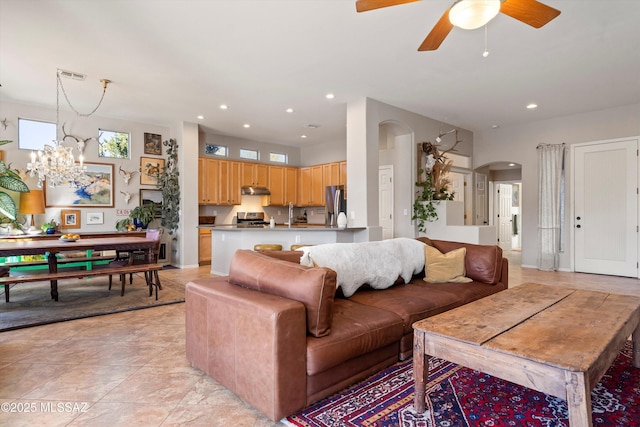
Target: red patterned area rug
{"x": 461, "y": 397}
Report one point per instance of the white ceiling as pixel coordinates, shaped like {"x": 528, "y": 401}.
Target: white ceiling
{"x": 172, "y": 60}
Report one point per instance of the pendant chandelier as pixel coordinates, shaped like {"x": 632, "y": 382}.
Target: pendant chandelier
{"x": 56, "y": 163}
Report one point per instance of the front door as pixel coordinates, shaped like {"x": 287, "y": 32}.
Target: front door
{"x": 606, "y": 208}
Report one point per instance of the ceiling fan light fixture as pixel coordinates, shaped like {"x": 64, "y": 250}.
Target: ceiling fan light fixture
{"x": 472, "y": 14}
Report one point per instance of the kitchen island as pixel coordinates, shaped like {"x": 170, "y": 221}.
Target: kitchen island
{"x": 226, "y": 239}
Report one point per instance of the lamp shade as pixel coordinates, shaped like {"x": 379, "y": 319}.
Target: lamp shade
{"x": 472, "y": 14}
{"x": 32, "y": 202}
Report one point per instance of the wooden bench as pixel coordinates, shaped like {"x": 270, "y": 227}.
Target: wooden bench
{"x": 150, "y": 271}
{"x": 63, "y": 262}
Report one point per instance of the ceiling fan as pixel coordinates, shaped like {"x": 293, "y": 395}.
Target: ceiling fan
{"x": 472, "y": 14}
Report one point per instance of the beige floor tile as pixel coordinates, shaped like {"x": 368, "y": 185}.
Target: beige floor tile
{"x": 155, "y": 385}
{"x": 110, "y": 414}
{"x": 82, "y": 383}
{"x": 18, "y": 379}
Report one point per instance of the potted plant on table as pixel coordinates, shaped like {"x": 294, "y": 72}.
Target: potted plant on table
{"x": 139, "y": 217}
{"x": 10, "y": 180}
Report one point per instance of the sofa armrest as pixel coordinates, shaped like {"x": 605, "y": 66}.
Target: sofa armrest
{"x": 504, "y": 273}
{"x": 251, "y": 342}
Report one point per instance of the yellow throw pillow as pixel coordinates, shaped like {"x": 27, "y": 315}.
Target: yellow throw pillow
{"x": 444, "y": 268}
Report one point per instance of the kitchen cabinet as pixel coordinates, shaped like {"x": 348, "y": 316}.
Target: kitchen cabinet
{"x": 311, "y": 186}
{"x": 342, "y": 180}
{"x": 208, "y": 181}
{"x": 255, "y": 174}
{"x": 283, "y": 185}
{"x": 276, "y": 186}
{"x": 331, "y": 174}
{"x": 204, "y": 246}
{"x": 229, "y": 192}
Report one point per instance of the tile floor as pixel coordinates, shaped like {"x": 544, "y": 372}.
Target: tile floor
{"x": 130, "y": 369}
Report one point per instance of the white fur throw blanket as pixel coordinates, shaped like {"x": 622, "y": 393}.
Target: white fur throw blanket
{"x": 378, "y": 264}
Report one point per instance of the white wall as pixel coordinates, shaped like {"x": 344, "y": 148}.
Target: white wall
{"x": 364, "y": 117}
{"x": 518, "y": 144}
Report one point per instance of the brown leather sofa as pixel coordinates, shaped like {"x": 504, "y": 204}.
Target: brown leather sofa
{"x": 276, "y": 334}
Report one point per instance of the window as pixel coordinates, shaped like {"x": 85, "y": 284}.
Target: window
{"x": 249, "y": 154}
{"x": 215, "y": 150}
{"x": 113, "y": 144}
{"x": 33, "y": 134}
{"x": 278, "y": 157}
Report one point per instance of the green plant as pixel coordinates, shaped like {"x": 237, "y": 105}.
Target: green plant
{"x": 170, "y": 185}
{"x": 50, "y": 224}
{"x": 10, "y": 180}
{"x": 424, "y": 209}
{"x": 143, "y": 214}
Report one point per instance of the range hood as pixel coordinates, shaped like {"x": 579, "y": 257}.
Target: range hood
{"x": 254, "y": 191}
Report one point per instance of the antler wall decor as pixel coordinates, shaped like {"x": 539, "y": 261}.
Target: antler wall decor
{"x": 126, "y": 175}
{"x": 80, "y": 143}
{"x": 127, "y": 196}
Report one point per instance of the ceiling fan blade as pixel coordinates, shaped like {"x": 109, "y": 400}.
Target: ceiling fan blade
{"x": 530, "y": 12}
{"x": 438, "y": 33}
{"x": 365, "y": 5}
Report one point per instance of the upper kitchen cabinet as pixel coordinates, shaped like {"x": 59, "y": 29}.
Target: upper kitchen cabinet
{"x": 311, "y": 186}
{"x": 208, "y": 181}
{"x": 230, "y": 173}
{"x": 343, "y": 174}
{"x": 255, "y": 174}
{"x": 283, "y": 185}
{"x": 331, "y": 174}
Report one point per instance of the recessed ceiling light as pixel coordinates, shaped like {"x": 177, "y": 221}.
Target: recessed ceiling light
{"x": 303, "y": 136}
{"x": 495, "y": 126}
{"x": 532, "y": 106}
{"x": 512, "y": 164}
{"x": 200, "y": 117}
{"x": 329, "y": 96}
{"x": 246, "y": 125}
{"x": 312, "y": 126}
{"x": 289, "y": 110}
{"x": 224, "y": 106}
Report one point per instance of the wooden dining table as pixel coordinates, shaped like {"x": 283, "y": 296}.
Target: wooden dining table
{"x": 52, "y": 247}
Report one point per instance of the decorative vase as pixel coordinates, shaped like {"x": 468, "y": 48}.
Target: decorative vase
{"x": 139, "y": 224}
{"x": 342, "y": 220}
{"x": 50, "y": 230}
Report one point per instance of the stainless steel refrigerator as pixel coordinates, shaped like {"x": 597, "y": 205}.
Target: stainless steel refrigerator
{"x": 335, "y": 202}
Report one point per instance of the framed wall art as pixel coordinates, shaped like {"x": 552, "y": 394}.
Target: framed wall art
{"x": 150, "y": 168}
{"x": 70, "y": 218}
{"x": 153, "y": 144}
{"x": 153, "y": 197}
{"x": 94, "y": 188}
{"x": 94, "y": 218}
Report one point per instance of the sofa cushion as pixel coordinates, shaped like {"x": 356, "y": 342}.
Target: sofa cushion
{"x": 357, "y": 329}
{"x": 483, "y": 263}
{"x": 313, "y": 287}
{"x": 444, "y": 268}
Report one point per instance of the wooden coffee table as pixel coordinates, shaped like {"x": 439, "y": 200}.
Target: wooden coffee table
{"x": 556, "y": 340}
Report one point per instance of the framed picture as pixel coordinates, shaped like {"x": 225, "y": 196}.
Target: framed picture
{"x": 94, "y": 188}
{"x": 94, "y": 218}
{"x": 70, "y": 218}
{"x": 150, "y": 168}
{"x": 153, "y": 197}
{"x": 153, "y": 144}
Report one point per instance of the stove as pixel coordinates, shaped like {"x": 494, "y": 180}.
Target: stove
{"x": 251, "y": 220}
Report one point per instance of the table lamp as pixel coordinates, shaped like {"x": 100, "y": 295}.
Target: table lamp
{"x": 32, "y": 203}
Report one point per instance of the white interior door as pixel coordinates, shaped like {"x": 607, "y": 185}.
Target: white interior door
{"x": 481, "y": 198}
{"x": 606, "y": 208}
{"x": 385, "y": 200}
{"x": 504, "y": 216}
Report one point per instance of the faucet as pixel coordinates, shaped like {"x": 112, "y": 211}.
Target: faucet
{"x": 290, "y": 213}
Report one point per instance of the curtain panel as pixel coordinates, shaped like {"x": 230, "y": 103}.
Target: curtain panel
{"x": 551, "y": 205}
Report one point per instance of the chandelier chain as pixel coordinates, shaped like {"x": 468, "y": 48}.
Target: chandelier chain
{"x": 104, "y": 90}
